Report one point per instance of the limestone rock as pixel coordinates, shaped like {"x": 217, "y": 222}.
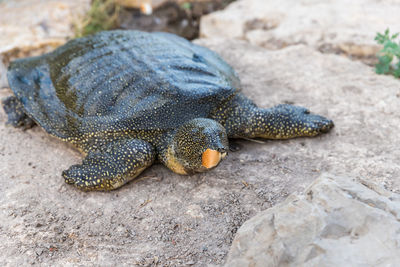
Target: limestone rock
{"x": 32, "y": 27}
{"x": 335, "y": 222}
{"x": 333, "y": 26}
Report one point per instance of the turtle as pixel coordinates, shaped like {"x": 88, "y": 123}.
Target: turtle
{"x": 127, "y": 99}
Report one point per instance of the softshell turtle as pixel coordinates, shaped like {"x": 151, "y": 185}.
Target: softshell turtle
{"x": 128, "y": 98}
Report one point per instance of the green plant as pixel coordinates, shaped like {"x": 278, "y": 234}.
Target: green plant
{"x": 390, "y": 52}
{"x": 103, "y": 15}
{"x": 186, "y": 5}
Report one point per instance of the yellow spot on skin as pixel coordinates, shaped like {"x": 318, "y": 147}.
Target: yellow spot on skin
{"x": 210, "y": 158}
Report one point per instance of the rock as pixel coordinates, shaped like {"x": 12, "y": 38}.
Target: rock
{"x": 32, "y": 27}
{"x": 330, "y": 26}
{"x": 337, "y": 221}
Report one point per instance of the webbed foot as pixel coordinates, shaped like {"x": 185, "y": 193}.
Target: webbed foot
{"x": 299, "y": 121}
{"x": 112, "y": 166}
{"x": 287, "y": 121}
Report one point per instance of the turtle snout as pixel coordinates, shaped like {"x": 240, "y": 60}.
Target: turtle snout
{"x": 323, "y": 125}
{"x": 327, "y": 125}
{"x": 211, "y": 158}
{"x": 320, "y": 123}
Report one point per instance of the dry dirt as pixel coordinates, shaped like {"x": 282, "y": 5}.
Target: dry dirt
{"x": 165, "y": 219}
{"x": 161, "y": 219}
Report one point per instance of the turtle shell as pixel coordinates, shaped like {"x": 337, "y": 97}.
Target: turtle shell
{"x": 119, "y": 80}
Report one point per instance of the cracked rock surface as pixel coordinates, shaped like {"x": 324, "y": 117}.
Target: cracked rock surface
{"x": 336, "y": 222}
{"x": 337, "y": 26}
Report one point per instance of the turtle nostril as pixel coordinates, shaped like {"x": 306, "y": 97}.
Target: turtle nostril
{"x": 222, "y": 150}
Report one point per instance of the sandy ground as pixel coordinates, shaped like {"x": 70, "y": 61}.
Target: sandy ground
{"x": 160, "y": 218}
{"x": 166, "y": 219}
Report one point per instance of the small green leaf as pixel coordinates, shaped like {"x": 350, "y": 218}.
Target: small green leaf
{"x": 186, "y": 5}
{"x": 380, "y": 38}
{"x": 396, "y": 71}
{"x": 390, "y": 46}
{"x": 386, "y": 59}
{"x": 383, "y": 66}
{"x": 381, "y": 69}
{"x": 391, "y": 50}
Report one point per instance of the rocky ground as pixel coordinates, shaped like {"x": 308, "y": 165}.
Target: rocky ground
{"x": 166, "y": 219}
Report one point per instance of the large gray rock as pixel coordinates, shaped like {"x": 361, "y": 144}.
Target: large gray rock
{"x": 334, "y": 25}
{"x": 32, "y": 27}
{"x": 335, "y": 222}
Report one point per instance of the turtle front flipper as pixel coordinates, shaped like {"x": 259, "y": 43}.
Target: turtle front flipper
{"x": 112, "y": 166}
{"x": 287, "y": 121}
{"x": 16, "y": 114}
{"x": 245, "y": 119}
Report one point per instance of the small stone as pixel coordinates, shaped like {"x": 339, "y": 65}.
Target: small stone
{"x": 39, "y": 251}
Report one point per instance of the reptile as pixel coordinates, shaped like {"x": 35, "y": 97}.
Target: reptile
{"x": 127, "y": 99}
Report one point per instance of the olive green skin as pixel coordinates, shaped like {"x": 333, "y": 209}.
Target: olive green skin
{"x": 128, "y": 98}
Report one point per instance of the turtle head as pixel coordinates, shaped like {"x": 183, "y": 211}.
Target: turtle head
{"x": 198, "y": 145}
